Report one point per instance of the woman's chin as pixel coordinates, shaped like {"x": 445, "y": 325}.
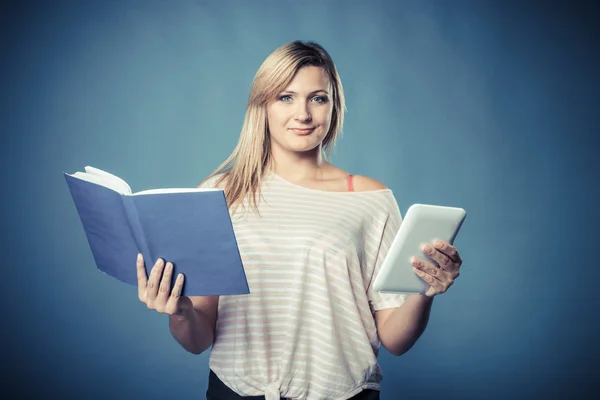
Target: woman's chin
{"x": 298, "y": 144}
{"x": 302, "y": 149}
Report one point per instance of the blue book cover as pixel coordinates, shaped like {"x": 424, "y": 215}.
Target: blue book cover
{"x": 189, "y": 227}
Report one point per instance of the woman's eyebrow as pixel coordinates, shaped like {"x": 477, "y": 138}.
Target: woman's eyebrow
{"x": 313, "y": 92}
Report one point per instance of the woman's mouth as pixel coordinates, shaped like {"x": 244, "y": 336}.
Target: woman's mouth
{"x": 302, "y": 131}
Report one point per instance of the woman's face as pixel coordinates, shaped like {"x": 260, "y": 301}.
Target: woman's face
{"x": 300, "y": 116}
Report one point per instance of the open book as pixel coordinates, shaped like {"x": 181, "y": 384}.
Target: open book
{"x": 189, "y": 227}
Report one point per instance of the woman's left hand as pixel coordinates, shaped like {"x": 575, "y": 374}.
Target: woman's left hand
{"x": 441, "y": 275}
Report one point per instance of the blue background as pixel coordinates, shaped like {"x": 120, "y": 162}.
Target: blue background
{"x": 492, "y": 106}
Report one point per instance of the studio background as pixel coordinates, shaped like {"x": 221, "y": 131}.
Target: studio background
{"x": 490, "y": 106}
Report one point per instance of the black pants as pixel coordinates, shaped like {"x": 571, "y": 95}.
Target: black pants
{"x": 217, "y": 390}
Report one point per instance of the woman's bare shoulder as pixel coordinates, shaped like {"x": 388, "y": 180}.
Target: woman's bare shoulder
{"x": 364, "y": 183}
{"x": 361, "y": 183}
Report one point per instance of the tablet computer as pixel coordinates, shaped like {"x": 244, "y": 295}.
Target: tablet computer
{"x": 422, "y": 224}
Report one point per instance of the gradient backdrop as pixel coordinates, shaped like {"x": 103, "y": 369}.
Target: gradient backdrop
{"x": 492, "y": 106}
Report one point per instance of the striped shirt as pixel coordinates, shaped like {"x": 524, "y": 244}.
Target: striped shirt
{"x": 307, "y": 328}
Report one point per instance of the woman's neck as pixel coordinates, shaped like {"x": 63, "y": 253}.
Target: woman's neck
{"x": 297, "y": 168}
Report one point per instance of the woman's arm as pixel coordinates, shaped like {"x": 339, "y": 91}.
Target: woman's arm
{"x": 194, "y": 325}
{"x": 400, "y": 328}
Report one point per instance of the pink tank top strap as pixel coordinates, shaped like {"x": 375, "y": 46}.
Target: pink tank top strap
{"x": 350, "y": 183}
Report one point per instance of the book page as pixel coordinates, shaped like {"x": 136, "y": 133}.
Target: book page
{"x": 117, "y": 183}
{"x": 99, "y": 180}
{"x": 108, "y": 180}
{"x": 174, "y": 190}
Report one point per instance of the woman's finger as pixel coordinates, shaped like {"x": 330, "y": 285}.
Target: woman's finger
{"x": 436, "y": 286}
{"x": 178, "y": 287}
{"x": 448, "y": 250}
{"x": 164, "y": 290}
{"x": 430, "y": 279}
{"x": 441, "y": 259}
{"x": 426, "y": 268}
{"x": 153, "y": 282}
{"x": 141, "y": 278}
{"x": 173, "y": 301}
{"x": 438, "y": 279}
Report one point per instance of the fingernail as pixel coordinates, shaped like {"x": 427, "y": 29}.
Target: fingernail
{"x": 139, "y": 257}
{"x": 159, "y": 261}
{"x": 438, "y": 244}
{"x": 426, "y": 248}
{"x": 415, "y": 262}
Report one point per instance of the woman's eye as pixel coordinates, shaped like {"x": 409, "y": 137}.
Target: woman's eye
{"x": 317, "y": 99}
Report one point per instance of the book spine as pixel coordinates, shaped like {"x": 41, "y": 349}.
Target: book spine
{"x": 138, "y": 233}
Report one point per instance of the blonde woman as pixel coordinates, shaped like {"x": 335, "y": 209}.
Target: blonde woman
{"x": 312, "y": 237}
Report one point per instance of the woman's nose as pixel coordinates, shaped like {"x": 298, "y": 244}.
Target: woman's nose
{"x": 302, "y": 112}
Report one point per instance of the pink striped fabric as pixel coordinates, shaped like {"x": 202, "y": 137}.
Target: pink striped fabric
{"x": 307, "y": 329}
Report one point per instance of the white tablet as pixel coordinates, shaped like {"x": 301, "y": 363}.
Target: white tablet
{"x": 422, "y": 224}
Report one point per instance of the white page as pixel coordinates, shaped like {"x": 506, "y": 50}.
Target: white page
{"x": 119, "y": 184}
{"x": 108, "y": 180}
{"x": 174, "y": 190}
{"x": 100, "y": 180}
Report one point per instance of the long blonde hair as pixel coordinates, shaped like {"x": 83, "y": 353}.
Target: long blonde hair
{"x": 244, "y": 169}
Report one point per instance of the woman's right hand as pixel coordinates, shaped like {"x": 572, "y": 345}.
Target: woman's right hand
{"x": 156, "y": 291}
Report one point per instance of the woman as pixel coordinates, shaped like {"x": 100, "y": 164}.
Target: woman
{"x": 312, "y": 237}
